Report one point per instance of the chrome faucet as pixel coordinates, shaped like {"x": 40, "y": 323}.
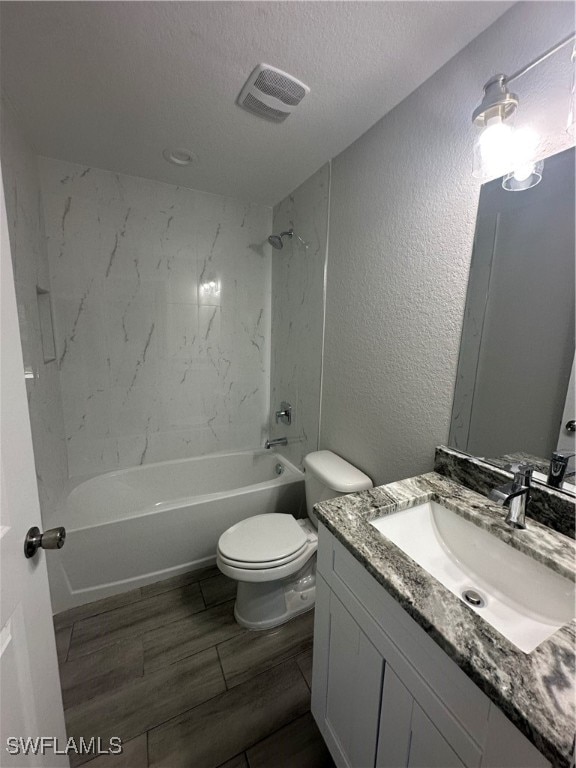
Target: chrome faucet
{"x": 277, "y": 441}
{"x": 557, "y": 469}
{"x": 515, "y": 495}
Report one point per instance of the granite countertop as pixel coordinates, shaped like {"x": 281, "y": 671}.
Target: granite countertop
{"x": 536, "y": 691}
{"x": 550, "y": 506}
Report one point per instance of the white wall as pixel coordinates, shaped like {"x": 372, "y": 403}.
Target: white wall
{"x": 298, "y": 313}
{"x": 26, "y": 231}
{"x": 151, "y": 366}
{"x": 402, "y": 219}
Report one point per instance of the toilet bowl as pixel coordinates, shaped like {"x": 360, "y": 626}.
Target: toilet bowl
{"x": 273, "y": 556}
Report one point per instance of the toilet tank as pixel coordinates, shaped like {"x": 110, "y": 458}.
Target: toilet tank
{"x": 327, "y": 476}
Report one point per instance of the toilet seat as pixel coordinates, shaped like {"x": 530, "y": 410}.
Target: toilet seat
{"x": 282, "y": 535}
{"x": 262, "y": 541}
{"x": 263, "y": 564}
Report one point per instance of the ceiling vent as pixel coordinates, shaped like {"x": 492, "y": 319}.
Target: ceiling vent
{"x": 271, "y": 93}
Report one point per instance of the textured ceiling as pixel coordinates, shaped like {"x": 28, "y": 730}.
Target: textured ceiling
{"x": 111, "y": 84}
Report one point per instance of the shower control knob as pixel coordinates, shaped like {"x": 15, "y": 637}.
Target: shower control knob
{"x": 284, "y": 414}
{"x": 54, "y": 538}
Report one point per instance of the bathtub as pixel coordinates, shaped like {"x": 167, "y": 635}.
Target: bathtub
{"x": 135, "y": 526}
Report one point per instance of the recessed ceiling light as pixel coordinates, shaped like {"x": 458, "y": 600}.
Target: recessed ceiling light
{"x": 179, "y": 156}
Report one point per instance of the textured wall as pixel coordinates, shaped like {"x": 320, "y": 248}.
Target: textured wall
{"x": 298, "y": 313}
{"x": 26, "y": 231}
{"x": 403, "y": 209}
{"x": 156, "y": 363}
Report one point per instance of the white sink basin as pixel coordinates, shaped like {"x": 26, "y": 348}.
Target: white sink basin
{"x": 522, "y": 599}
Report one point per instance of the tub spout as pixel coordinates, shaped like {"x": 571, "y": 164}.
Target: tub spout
{"x": 277, "y": 441}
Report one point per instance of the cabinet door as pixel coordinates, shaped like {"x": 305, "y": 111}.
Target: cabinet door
{"x": 428, "y": 749}
{"x": 395, "y": 723}
{"x": 354, "y": 687}
{"x": 505, "y": 745}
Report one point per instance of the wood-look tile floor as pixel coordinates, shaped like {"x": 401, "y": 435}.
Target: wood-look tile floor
{"x": 166, "y": 668}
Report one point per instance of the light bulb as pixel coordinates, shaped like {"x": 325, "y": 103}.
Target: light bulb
{"x": 526, "y": 142}
{"x": 493, "y": 150}
{"x": 495, "y": 144}
{"x": 523, "y": 172}
{"x": 494, "y": 135}
{"x": 524, "y": 177}
{"x": 524, "y": 149}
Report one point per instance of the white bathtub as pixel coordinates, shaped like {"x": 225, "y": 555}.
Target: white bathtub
{"x": 135, "y": 526}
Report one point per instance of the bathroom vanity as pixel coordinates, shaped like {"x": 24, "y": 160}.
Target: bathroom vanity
{"x": 406, "y": 673}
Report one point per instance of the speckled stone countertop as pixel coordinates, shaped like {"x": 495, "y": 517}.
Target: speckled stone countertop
{"x": 549, "y": 506}
{"x": 536, "y": 691}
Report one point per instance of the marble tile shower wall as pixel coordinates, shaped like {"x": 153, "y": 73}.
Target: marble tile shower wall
{"x": 298, "y": 313}
{"x": 162, "y": 314}
{"x": 26, "y": 232}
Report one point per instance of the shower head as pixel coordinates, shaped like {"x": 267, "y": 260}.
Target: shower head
{"x": 276, "y": 240}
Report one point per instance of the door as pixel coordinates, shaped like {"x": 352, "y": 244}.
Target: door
{"x": 30, "y": 697}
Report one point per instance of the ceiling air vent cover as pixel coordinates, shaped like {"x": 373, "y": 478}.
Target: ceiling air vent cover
{"x": 271, "y": 93}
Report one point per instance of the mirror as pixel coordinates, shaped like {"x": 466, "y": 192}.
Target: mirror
{"x": 514, "y": 393}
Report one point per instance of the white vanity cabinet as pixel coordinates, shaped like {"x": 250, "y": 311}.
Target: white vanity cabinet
{"x": 407, "y": 737}
{"x": 385, "y": 695}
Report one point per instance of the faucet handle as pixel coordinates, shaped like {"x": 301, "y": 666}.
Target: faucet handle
{"x": 518, "y": 466}
{"x": 522, "y": 472}
{"x": 562, "y": 455}
{"x": 284, "y": 414}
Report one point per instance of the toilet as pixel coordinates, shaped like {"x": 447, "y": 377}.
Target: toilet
{"x": 273, "y": 556}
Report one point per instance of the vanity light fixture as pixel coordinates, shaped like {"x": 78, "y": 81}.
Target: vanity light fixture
{"x": 493, "y": 115}
{"x": 500, "y": 150}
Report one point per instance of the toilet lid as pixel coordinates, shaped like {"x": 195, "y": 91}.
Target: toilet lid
{"x": 262, "y": 539}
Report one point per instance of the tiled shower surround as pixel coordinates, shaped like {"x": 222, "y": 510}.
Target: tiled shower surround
{"x": 26, "y": 231}
{"x": 298, "y": 313}
{"x": 161, "y": 300}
